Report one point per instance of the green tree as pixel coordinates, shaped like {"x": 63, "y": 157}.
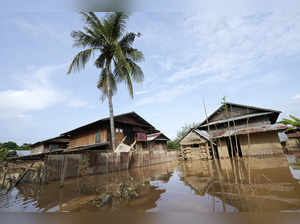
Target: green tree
{"x": 294, "y": 121}
{"x": 105, "y": 40}
{"x": 25, "y": 146}
{"x": 10, "y": 145}
{"x": 3, "y": 153}
{"x": 173, "y": 145}
{"x": 185, "y": 129}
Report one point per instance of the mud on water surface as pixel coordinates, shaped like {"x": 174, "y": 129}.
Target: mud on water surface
{"x": 248, "y": 184}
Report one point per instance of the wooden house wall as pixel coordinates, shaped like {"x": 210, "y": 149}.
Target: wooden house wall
{"x": 232, "y": 111}
{"x": 264, "y": 143}
{"x": 38, "y": 149}
{"x": 192, "y": 138}
{"x": 87, "y": 138}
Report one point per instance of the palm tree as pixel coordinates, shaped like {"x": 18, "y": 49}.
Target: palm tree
{"x": 105, "y": 40}
{"x": 294, "y": 121}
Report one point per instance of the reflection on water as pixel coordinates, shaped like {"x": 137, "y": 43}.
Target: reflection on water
{"x": 249, "y": 184}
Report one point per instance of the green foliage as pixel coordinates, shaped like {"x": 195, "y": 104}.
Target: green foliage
{"x": 3, "y": 154}
{"x": 8, "y": 149}
{"x": 294, "y": 121}
{"x": 106, "y": 40}
{"x": 10, "y": 145}
{"x": 185, "y": 129}
{"x": 173, "y": 145}
{"x": 25, "y": 146}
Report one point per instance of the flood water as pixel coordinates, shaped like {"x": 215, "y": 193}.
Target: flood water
{"x": 227, "y": 185}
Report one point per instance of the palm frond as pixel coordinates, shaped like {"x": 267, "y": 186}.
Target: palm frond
{"x": 91, "y": 19}
{"x": 135, "y": 55}
{"x": 295, "y": 118}
{"x": 295, "y": 122}
{"x": 102, "y": 84}
{"x": 80, "y": 60}
{"x": 84, "y": 40}
{"x": 121, "y": 74}
{"x": 129, "y": 86}
{"x": 100, "y": 61}
{"x": 115, "y": 24}
{"x": 136, "y": 72}
{"x": 127, "y": 40}
{"x": 94, "y": 24}
{"x": 120, "y": 58}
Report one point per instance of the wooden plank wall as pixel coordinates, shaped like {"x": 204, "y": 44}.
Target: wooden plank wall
{"x": 88, "y": 138}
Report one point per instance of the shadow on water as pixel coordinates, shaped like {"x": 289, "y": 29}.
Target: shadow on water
{"x": 226, "y": 185}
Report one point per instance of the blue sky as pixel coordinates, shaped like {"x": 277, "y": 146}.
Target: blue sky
{"x": 250, "y": 56}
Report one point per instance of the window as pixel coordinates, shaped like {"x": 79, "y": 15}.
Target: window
{"x": 53, "y": 147}
{"x": 98, "y": 137}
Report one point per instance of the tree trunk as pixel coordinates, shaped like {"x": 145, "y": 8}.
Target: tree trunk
{"x": 111, "y": 112}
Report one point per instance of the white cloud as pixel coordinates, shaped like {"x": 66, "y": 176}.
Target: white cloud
{"x": 36, "y": 92}
{"x": 171, "y": 93}
{"x": 296, "y": 97}
{"x": 235, "y": 46}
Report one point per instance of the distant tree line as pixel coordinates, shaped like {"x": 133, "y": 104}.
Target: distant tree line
{"x": 8, "y": 149}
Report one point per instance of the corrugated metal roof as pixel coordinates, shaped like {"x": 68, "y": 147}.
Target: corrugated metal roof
{"x": 58, "y": 139}
{"x": 241, "y": 105}
{"x": 154, "y": 136}
{"x": 204, "y": 134}
{"x": 245, "y": 131}
{"x": 236, "y": 118}
{"x": 23, "y": 152}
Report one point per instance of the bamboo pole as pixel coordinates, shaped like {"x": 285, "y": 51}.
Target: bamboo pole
{"x": 228, "y": 127}
{"x": 236, "y": 142}
{"x": 249, "y": 143}
{"x": 20, "y": 178}
{"x": 64, "y": 170}
{"x": 220, "y": 176}
{"x": 4, "y": 177}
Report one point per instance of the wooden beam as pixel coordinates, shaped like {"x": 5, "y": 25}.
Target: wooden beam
{"x": 64, "y": 170}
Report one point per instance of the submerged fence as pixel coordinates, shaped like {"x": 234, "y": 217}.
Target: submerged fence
{"x": 88, "y": 163}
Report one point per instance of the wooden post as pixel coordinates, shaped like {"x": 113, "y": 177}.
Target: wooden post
{"x": 4, "y": 177}
{"x": 39, "y": 175}
{"x": 20, "y": 179}
{"x": 64, "y": 170}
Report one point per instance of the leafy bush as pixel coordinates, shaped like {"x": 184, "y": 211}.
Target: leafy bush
{"x": 3, "y": 154}
{"x": 173, "y": 145}
{"x": 8, "y": 149}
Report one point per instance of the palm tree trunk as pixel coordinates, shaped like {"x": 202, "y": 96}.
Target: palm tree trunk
{"x": 111, "y": 112}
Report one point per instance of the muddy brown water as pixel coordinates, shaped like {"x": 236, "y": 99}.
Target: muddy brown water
{"x": 227, "y": 185}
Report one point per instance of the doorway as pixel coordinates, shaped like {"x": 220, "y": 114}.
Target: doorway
{"x": 234, "y": 146}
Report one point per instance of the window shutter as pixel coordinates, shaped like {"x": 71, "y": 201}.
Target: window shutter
{"x": 98, "y": 136}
